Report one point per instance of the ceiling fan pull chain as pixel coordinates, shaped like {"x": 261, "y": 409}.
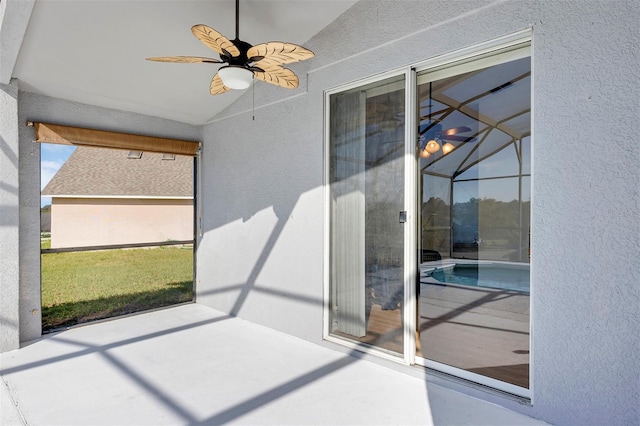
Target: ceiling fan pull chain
{"x": 253, "y": 94}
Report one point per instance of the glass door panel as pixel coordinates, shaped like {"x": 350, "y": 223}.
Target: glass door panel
{"x": 474, "y": 203}
{"x": 366, "y": 177}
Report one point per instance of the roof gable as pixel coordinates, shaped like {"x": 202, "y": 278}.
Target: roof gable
{"x": 108, "y": 172}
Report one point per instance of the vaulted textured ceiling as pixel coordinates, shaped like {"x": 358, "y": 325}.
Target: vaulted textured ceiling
{"x": 94, "y": 51}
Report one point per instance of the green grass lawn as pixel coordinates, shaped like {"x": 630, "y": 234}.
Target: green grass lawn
{"x": 45, "y": 243}
{"x": 79, "y": 287}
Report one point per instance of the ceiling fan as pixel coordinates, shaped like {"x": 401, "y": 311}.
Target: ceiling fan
{"x": 244, "y": 62}
{"x": 434, "y": 130}
{"x": 432, "y": 137}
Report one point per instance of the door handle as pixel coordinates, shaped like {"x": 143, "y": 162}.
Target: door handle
{"x": 402, "y": 218}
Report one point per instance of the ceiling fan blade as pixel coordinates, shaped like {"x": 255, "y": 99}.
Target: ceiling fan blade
{"x": 214, "y": 40}
{"x": 277, "y": 53}
{"x": 278, "y": 75}
{"x": 217, "y": 86}
{"x": 455, "y": 130}
{"x": 185, "y": 59}
{"x": 458, "y": 138}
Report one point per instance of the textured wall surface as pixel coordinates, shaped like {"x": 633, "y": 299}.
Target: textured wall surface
{"x": 9, "y": 220}
{"x": 262, "y": 218}
{"x": 586, "y": 225}
{"x": 261, "y": 256}
{"x": 34, "y": 107}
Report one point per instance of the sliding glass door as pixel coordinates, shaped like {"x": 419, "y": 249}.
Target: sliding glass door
{"x": 366, "y": 191}
{"x": 428, "y": 189}
{"x": 474, "y": 172}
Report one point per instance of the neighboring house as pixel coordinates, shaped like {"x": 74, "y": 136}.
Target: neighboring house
{"x": 263, "y": 251}
{"x": 110, "y": 196}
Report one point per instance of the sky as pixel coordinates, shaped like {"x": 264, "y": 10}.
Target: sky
{"x": 52, "y": 157}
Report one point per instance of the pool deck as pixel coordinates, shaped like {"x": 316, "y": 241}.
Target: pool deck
{"x": 193, "y": 365}
{"x": 481, "y": 330}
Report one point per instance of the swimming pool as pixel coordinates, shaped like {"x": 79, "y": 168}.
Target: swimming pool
{"x": 507, "y": 276}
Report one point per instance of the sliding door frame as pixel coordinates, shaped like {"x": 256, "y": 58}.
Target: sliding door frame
{"x": 507, "y": 48}
{"x": 409, "y": 230}
{"x": 411, "y": 226}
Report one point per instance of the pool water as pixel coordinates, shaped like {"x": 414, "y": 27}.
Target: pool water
{"x": 492, "y": 276}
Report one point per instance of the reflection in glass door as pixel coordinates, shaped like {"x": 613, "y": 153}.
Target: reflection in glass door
{"x": 366, "y": 177}
{"x": 474, "y": 201}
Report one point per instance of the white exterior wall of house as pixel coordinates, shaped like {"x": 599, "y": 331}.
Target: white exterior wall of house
{"x": 81, "y": 222}
{"x": 261, "y": 256}
{"x": 9, "y": 217}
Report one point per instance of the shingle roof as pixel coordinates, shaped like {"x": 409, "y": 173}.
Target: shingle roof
{"x": 103, "y": 172}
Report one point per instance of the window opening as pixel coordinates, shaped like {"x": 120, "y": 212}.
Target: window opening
{"x": 135, "y": 155}
{"x": 116, "y": 235}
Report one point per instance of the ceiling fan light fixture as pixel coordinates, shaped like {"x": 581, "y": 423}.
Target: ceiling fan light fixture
{"x": 448, "y": 147}
{"x": 432, "y": 146}
{"x": 236, "y": 77}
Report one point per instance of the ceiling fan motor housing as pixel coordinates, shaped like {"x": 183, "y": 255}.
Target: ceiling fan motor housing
{"x": 241, "y": 60}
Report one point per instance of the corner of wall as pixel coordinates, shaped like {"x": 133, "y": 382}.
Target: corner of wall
{"x": 9, "y": 218}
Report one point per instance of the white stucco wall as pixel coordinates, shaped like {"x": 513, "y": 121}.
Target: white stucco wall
{"x": 9, "y": 219}
{"x": 20, "y": 183}
{"x": 261, "y": 256}
{"x": 262, "y": 251}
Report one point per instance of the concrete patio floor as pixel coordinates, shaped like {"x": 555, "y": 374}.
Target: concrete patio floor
{"x": 193, "y": 365}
